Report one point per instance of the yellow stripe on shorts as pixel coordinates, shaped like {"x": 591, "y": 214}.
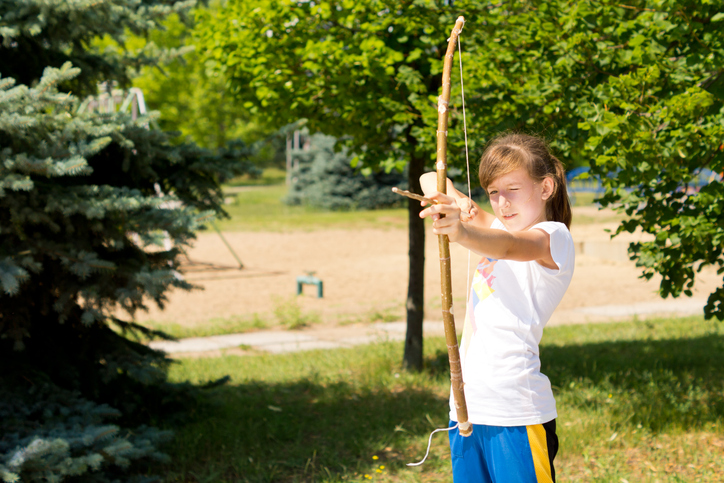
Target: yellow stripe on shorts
{"x": 539, "y": 449}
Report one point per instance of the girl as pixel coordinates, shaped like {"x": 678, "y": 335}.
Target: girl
{"x": 527, "y": 265}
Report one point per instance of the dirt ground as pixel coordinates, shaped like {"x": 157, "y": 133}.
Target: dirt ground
{"x": 365, "y": 272}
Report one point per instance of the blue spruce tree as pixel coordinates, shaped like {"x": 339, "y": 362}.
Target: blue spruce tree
{"x": 81, "y": 240}
{"x": 324, "y": 178}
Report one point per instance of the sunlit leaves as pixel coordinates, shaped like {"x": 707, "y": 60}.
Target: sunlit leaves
{"x": 634, "y": 90}
{"x": 362, "y": 71}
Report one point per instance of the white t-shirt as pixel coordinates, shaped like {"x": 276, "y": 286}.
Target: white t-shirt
{"x": 510, "y": 303}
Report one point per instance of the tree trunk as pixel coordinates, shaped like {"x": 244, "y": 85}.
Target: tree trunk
{"x": 416, "y": 284}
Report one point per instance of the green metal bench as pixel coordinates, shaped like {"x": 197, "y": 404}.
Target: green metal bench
{"x": 310, "y": 279}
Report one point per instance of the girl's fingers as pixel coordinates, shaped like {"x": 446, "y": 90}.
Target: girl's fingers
{"x": 469, "y": 216}
{"x": 442, "y": 198}
{"x": 446, "y": 209}
{"x": 445, "y": 222}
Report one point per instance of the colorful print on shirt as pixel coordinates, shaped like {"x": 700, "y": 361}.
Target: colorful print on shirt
{"x": 481, "y": 289}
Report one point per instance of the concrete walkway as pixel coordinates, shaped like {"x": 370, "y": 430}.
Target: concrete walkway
{"x": 280, "y": 341}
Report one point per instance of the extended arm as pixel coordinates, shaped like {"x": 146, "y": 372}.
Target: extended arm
{"x": 521, "y": 246}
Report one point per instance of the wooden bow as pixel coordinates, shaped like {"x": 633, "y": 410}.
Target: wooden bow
{"x": 451, "y": 338}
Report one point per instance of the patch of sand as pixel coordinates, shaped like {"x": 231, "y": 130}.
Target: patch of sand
{"x": 365, "y": 271}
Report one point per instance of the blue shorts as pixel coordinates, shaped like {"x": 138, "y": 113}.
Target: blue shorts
{"x": 499, "y": 454}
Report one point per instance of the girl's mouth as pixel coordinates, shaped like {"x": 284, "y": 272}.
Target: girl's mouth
{"x": 508, "y": 217}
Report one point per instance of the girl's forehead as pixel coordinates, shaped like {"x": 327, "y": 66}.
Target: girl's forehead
{"x": 518, "y": 175}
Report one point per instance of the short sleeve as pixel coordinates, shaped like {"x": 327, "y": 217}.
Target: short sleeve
{"x": 497, "y": 224}
{"x": 561, "y": 244}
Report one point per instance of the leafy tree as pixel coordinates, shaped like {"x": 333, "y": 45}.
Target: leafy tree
{"x": 82, "y": 241}
{"x": 654, "y": 129}
{"x": 192, "y": 98}
{"x": 363, "y": 71}
{"x": 635, "y": 90}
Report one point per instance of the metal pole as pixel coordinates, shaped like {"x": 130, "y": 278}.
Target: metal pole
{"x": 289, "y": 159}
{"x": 241, "y": 265}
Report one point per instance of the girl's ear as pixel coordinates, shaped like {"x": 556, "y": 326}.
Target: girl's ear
{"x": 548, "y": 188}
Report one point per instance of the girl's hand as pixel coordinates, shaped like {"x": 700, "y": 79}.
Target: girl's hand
{"x": 428, "y": 183}
{"x": 468, "y": 210}
{"x": 451, "y": 223}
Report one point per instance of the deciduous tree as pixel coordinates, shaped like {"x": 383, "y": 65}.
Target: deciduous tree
{"x": 636, "y": 90}
{"x": 365, "y": 71}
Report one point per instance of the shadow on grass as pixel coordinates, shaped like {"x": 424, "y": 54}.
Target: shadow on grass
{"x": 660, "y": 384}
{"x": 303, "y": 431}
{"x": 312, "y": 430}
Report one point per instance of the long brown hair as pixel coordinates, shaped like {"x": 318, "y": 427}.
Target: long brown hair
{"x": 509, "y": 152}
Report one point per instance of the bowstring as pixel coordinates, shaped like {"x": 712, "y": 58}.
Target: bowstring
{"x": 467, "y": 165}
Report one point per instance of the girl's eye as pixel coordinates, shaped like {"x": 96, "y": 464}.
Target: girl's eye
{"x": 492, "y": 192}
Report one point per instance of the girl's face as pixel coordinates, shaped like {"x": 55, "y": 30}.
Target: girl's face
{"x": 518, "y": 201}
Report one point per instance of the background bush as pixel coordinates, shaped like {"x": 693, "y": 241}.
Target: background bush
{"x": 326, "y": 179}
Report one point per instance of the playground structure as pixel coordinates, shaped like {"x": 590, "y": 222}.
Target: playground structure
{"x": 110, "y": 99}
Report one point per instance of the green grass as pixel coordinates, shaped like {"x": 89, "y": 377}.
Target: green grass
{"x": 637, "y": 402}
{"x": 583, "y": 199}
{"x": 260, "y": 208}
{"x": 287, "y": 314}
{"x": 216, "y": 326}
{"x": 269, "y": 176}
{"x": 290, "y": 314}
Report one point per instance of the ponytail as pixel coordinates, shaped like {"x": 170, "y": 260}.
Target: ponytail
{"x": 559, "y": 206}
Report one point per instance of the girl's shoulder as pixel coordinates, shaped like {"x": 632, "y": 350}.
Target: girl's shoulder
{"x": 557, "y": 230}
{"x": 560, "y": 244}
{"x": 552, "y": 226}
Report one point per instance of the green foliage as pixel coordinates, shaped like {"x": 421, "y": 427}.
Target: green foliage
{"x": 41, "y": 33}
{"x": 189, "y": 95}
{"x": 85, "y": 236}
{"x": 635, "y": 90}
{"x": 75, "y": 187}
{"x": 325, "y": 179}
{"x": 363, "y": 70}
{"x": 662, "y": 122}
{"x": 193, "y": 98}
{"x": 50, "y": 434}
